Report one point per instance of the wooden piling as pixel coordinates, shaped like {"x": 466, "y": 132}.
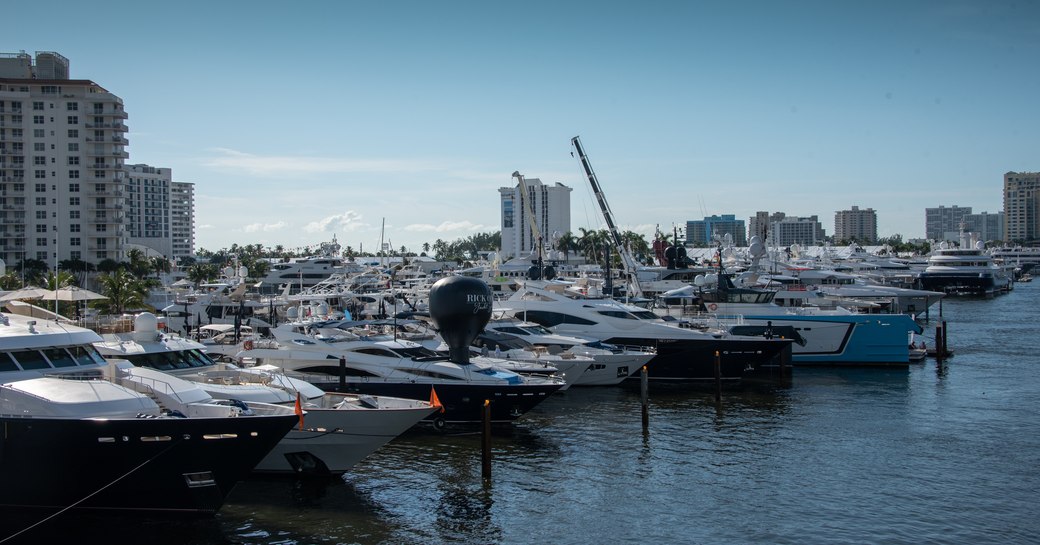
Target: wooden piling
{"x": 718, "y": 377}
{"x": 939, "y": 350}
{"x": 945, "y": 331}
{"x": 342, "y": 374}
{"x": 485, "y": 444}
{"x": 644, "y": 395}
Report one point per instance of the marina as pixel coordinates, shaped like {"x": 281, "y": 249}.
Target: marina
{"x": 929, "y": 453}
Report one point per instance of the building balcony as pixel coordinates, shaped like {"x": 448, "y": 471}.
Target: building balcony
{"x": 9, "y": 123}
{"x": 113, "y": 126}
{"x": 12, "y": 221}
{"x": 110, "y": 219}
{"x": 109, "y": 153}
{"x": 6, "y": 138}
{"x": 14, "y": 179}
{"x": 6, "y": 151}
{"x": 10, "y": 110}
{"x": 9, "y": 248}
{"x": 14, "y": 207}
{"x": 106, "y": 193}
{"x": 104, "y": 166}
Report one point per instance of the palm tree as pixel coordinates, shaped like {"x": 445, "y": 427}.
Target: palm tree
{"x": 201, "y": 272}
{"x": 566, "y": 244}
{"x": 10, "y": 281}
{"x": 160, "y": 265}
{"x": 124, "y": 292}
{"x": 138, "y": 263}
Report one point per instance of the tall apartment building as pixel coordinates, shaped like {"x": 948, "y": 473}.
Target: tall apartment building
{"x": 1021, "y": 206}
{"x": 988, "y": 227}
{"x": 779, "y": 229}
{"x": 182, "y": 219}
{"x": 786, "y": 231}
{"x": 551, "y": 207}
{"x": 148, "y": 196}
{"x": 856, "y": 224}
{"x": 703, "y": 232}
{"x": 62, "y": 180}
{"x": 939, "y": 222}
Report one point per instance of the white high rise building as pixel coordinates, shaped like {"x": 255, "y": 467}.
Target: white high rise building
{"x": 62, "y": 180}
{"x": 551, "y": 207}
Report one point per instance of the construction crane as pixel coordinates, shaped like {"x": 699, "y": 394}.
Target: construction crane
{"x": 536, "y": 233}
{"x": 627, "y": 261}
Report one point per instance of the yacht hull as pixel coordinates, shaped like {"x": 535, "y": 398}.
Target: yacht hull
{"x": 174, "y": 466}
{"x": 855, "y": 340}
{"x": 682, "y": 360}
{"x": 463, "y": 403}
{"x": 332, "y": 441}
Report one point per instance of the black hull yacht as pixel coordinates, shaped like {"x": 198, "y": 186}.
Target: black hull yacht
{"x": 79, "y": 437}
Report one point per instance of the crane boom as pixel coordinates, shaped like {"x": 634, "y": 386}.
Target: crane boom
{"x": 627, "y": 261}
{"x": 536, "y": 233}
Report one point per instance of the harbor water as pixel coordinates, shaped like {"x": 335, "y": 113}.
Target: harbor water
{"x": 932, "y": 454}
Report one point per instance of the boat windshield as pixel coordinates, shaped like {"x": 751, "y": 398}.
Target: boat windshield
{"x": 167, "y": 361}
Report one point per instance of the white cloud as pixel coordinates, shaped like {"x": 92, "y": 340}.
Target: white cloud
{"x": 265, "y": 227}
{"x": 290, "y": 166}
{"x": 347, "y": 221}
{"x": 448, "y": 227}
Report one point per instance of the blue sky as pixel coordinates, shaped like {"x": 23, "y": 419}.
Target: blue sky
{"x": 297, "y": 121}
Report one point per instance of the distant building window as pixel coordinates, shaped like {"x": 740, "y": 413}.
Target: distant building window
{"x": 38, "y": 120}
{"x": 38, "y": 133}
{"x": 40, "y": 174}
{"x": 73, "y": 133}
{"x": 39, "y": 146}
{"x": 74, "y": 188}
{"x": 73, "y": 120}
{"x": 73, "y": 214}
{"x": 40, "y": 188}
{"x": 73, "y": 201}
{"x": 73, "y": 227}
{"x": 41, "y": 201}
{"x": 74, "y": 241}
{"x": 74, "y": 160}
{"x": 73, "y": 146}
{"x": 73, "y": 174}
{"x": 38, "y": 106}
{"x": 41, "y": 241}
{"x": 72, "y": 106}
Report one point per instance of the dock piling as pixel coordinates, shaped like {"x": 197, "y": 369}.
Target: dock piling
{"x": 644, "y": 396}
{"x": 485, "y": 444}
{"x": 718, "y": 377}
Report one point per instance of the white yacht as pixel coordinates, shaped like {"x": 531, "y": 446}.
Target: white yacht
{"x": 682, "y": 354}
{"x": 338, "y": 431}
{"x": 88, "y": 435}
{"x": 964, "y": 270}
{"x": 610, "y": 364}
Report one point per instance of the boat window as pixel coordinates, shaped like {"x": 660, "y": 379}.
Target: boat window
{"x": 513, "y": 330}
{"x": 87, "y": 355}
{"x": 617, "y": 314}
{"x": 6, "y": 363}
{"x": 59, "y": 357}
{"x": 197, "y": 359}
{"x": 549, "y": 319}
{"x": 378, "y": 352}
{"x": 31, "y": 359}
{"x": 416, "y": 352}
{"x": 431, "y": 374}
{"x": 645, "y": 315}
{"x": 537, "y": 330}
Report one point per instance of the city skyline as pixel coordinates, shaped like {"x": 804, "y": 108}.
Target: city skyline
{"x": 295, "y": 128}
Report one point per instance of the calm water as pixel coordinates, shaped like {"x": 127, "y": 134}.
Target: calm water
{"x": 929, "y": 455}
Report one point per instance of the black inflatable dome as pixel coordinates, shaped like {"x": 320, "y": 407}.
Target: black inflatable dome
{"x": 461, "y": 307}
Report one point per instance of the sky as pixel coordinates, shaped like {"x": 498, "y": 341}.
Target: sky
{"x": 300, "y": 121}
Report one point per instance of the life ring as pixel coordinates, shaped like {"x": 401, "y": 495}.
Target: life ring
{"x": 248, "y": 345}
{"x": 713, "y": 306}
{"x": 440, "y": 424}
